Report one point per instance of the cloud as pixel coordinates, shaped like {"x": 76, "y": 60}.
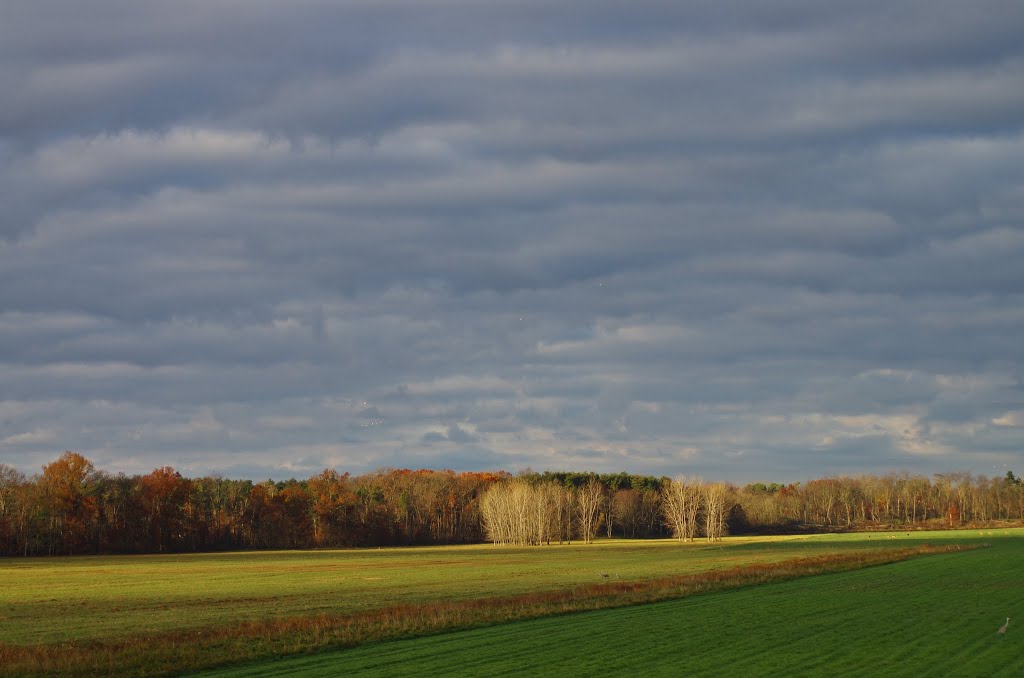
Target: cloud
{"x": 1015, "y": 419}
{"x": 453, "y": 433}
{"x": 673, "y": 237}
{"x": 34, "y": 438}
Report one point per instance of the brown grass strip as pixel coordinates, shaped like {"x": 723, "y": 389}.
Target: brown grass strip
{"x": 168, "y": 653}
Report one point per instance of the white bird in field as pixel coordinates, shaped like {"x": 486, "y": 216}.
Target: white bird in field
{"x": 1002, "y": 629}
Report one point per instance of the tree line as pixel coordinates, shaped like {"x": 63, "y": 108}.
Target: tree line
{"x": 73, "y": 508}
{"x": 532, "y": 510}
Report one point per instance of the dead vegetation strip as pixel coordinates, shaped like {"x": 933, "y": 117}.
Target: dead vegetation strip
{"x": 168, "y": 653}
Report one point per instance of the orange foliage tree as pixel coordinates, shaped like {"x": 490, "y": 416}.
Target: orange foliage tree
{"x": 164, "y": 498}
{"x": 69, "y": 508}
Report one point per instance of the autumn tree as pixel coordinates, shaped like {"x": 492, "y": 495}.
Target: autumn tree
{"x": 11, "y": 481}
{"x": 68, "y": 503}
{"x": 822, "y": 500}
{"x": 164, "y": 494}
{"x": 293, "y": 504}
{"x": 332, "y": 503}
{"x": 73, "y": 508}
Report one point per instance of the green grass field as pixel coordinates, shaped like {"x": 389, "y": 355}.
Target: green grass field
{"x": 46, "y": 600}
{"x": 932, "y": 616}
{"x": 138, "y": 603}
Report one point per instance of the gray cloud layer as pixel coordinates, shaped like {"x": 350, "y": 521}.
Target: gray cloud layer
{"x": 741, "y": 239}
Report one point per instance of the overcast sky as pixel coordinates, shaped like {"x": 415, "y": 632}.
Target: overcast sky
{"x": 742, "y": 239}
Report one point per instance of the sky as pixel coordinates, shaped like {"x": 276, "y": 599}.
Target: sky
{"x": 739, "y": 239}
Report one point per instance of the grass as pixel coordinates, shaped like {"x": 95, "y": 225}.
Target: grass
{"x": 159, "y": 613}
{"x": 934, "y": 616}
{"x": 51, "y": 600}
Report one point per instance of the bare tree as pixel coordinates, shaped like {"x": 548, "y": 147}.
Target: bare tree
{"x": 546, "y": 497}
{"x": 569, "y": 496}
{"x": 609, "y": 512}
{"x": 714, "y": 495}
{"x": 626, "y": 507}
{"x": 499, "y": 509}
{"x": 523, "y": 513}
{"x": 650, "y": 511}
{"x": 555, "y": 509}
{"x": 680, "y": 502}
{"x": 588, "y": 507}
